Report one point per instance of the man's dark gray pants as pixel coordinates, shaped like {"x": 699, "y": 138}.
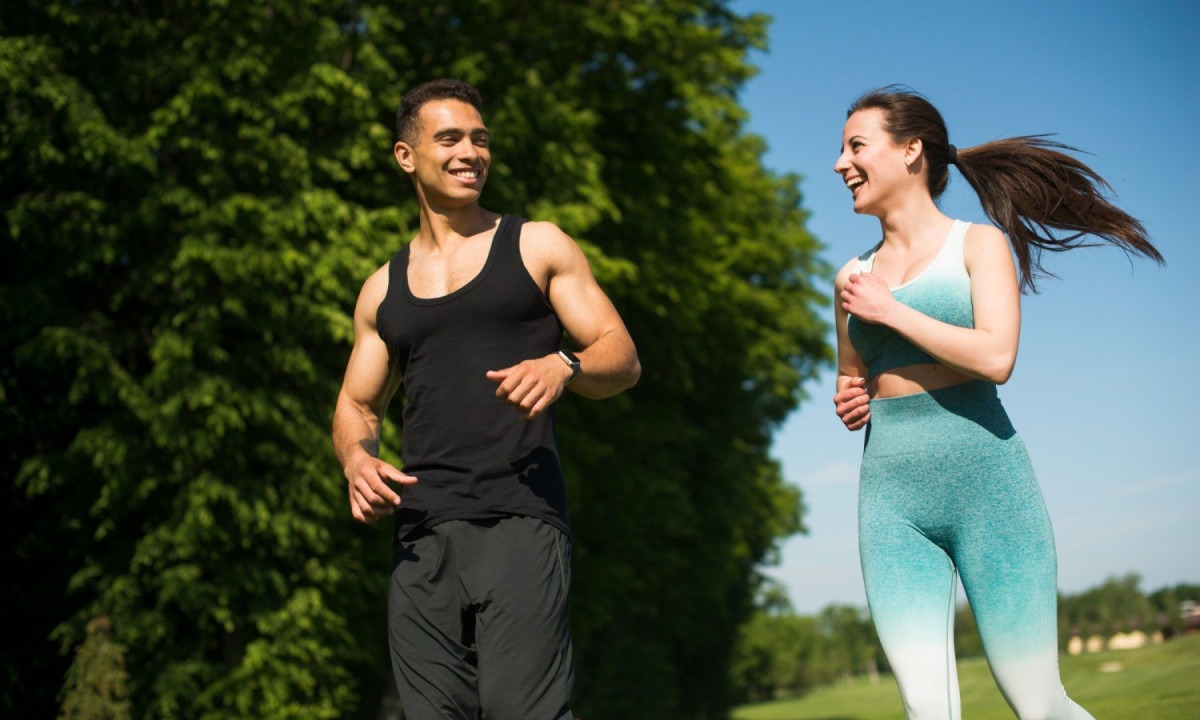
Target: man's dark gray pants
{"x": 479, "y": 621}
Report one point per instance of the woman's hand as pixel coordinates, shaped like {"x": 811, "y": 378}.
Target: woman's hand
{"x": 852, "y": 404}
{"x": 867, "y": 297}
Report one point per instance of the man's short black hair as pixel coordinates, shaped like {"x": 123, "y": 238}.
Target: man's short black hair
{"x": 407, "y": 124}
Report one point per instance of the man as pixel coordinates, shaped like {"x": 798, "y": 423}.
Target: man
{"x": 468, "y": 319}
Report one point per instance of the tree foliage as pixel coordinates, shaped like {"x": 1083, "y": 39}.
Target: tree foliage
{"x": 97, "y": 684}
{"x": 192, "y": 194}
{"x": 1170, "y": 603}
{"x": 1118, "y": 605}
{"x": 780, "y": 653}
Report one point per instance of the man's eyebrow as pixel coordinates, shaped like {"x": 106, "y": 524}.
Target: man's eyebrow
{"x": 459, "y": 132}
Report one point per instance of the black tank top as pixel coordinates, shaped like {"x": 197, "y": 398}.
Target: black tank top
{"x": 473, "y": 455}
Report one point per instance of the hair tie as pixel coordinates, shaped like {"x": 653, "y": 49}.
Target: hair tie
{"x": 953, "y": 155}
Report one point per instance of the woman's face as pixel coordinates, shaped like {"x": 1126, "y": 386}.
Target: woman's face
{"x": 872, "y": 165}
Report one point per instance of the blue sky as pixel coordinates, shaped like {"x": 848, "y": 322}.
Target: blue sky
{"x": 1105, "y": 390}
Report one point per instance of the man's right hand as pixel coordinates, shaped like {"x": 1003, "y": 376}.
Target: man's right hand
{"x": 370, "y": 496}
{"x": 853, "y": 404}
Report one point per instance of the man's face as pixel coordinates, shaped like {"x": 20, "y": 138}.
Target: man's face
{"x": 448, "y": 159}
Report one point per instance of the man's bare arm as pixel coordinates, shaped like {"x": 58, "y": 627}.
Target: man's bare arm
{"x": 368, "y": 386}
{"x": 607, "y": 356}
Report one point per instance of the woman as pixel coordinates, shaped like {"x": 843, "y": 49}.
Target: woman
{"x": 928, "y": 322}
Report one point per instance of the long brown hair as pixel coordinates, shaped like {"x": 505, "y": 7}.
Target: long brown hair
{"x": 1027, "y": 185}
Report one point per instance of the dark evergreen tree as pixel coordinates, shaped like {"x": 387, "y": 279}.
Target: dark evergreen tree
{"x": 97, "y": 686}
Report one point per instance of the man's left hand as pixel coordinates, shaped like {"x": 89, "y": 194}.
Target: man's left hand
{"x": 533, "y": 385}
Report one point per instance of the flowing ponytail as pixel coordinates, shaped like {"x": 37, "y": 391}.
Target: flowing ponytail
{"x": 1028, "y": 186}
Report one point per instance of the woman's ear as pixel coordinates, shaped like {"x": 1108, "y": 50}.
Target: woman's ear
{"x": 912, "y": 151}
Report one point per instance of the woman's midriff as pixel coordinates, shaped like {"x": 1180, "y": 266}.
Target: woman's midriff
{"x": 912, "y": 379}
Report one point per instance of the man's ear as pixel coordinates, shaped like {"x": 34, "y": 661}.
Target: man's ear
{"x": 404, "y": 156}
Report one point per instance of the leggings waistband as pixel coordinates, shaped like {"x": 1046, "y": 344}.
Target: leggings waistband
{"x": 958, "y": 415}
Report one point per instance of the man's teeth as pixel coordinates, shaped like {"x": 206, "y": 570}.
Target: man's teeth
{"x": 464, "y": 173}
{"x": 854, "y": 182}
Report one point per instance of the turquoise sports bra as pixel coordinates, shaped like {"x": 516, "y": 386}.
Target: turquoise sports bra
{"x": 942, "y": 291}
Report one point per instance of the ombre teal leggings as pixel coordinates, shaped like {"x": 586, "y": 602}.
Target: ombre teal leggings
{"x": 947, "y": 491}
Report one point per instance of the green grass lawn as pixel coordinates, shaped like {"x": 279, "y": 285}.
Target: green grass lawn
{"x": 1160, "y": 682}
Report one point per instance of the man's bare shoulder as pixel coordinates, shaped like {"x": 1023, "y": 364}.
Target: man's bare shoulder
{"x": 541, "y": 232}
{"x": 374, "y": 290}
{"x": 545, "y": 244}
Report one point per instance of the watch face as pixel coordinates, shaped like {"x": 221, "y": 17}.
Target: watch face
{"x": 571, "y": 361}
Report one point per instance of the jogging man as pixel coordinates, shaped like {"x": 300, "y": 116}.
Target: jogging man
{"x": 468, "y": 322}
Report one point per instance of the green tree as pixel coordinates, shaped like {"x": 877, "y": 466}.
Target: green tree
{"x": 192, "y": 194}
{"x": 851, "y": 645}
{"x": 97, "y": 684}
{"x": 775, "y": 656}
{"x": 1117, "y": 605}
{"x": 182, "y": 236}
{"x": 967, "y": 641}
{"x": 1167, "y": 603}
{"x": 780, "y": 653}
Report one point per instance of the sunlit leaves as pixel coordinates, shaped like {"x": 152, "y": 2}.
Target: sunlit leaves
{"x": 191, "y": 195}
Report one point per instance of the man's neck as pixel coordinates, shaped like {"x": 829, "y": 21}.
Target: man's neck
{"x": 442, "y": 229}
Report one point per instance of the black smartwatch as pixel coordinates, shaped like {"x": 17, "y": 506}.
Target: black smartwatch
{"x": 572, "y": 362}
